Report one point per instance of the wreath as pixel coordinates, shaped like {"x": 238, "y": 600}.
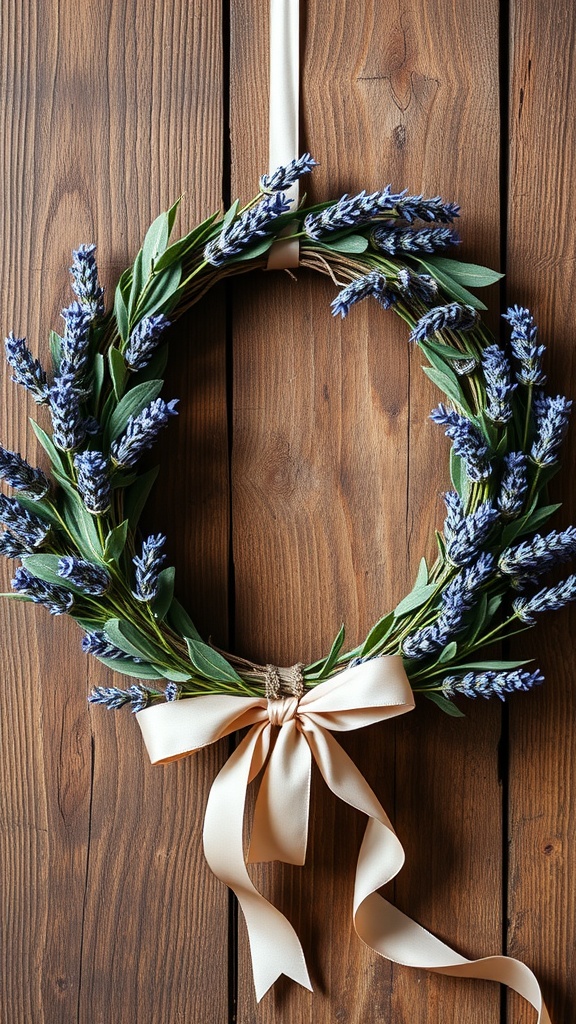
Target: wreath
{"x": 77, "y": 535}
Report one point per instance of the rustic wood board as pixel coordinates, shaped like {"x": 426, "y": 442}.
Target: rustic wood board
{"x": 108, "y": 911}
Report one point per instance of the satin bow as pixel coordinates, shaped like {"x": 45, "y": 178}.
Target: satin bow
{"x": 285, "y": 735}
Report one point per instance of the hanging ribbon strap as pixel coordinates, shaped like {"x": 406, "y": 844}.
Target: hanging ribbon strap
{"x": 285, "y": 735}
{"x": 283, "y": 115}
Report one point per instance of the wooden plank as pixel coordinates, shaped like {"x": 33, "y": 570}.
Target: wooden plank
{"x": 336, "y": 481}
{"x": 542, "y": 901}
{"x": 110, "y": 112}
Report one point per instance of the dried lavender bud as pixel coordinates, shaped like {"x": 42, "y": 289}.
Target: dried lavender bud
{"x": 394, "y": 240}
{"x": 69, "y": 426}
{"x": 419, "y": 286}
{"x": 94, "y": 481}
{"x": 499, "y": 387}
{"x": 490, "y": 684}
{"x": 527, "y": 353}
{"x": 98, "y": 644}
{"x": 90, "y": 578}
{"x": 85, "y": 280}
{"x": 171, "y": 691}
{"x": 112, "y": 697}
{"x": 27, "y": 371}
{"x": 546, "y": 600}
{"x": 13, "y": 547}
{"x": 454, "y": 317}
{"x": 18, "y": 474}
{"x": 56, "y": 599}
{"x": 465, "y": 535}
{"x": 246, "y": 230}
{"x": 283, "y": 177}
{"x": 351, "y": 211}
{"x": 148, "y": 567}
{"x": 141, "y": 432}
{"x": 551, "y": 418}
{"x": 513, "y": 486}
{"x": 29, "y": 528}
{"x": 374, "y": 283}
{"x": 539, "y": 554}
{"x": 144, "y": 340}
{"x": 467, "y": 441}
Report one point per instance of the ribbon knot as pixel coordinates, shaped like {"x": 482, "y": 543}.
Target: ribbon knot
{"x": 282, "y": 710}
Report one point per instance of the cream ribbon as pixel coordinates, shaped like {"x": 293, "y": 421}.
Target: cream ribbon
{"x": 285, "y": 735}
{"x": 283, "y": 111}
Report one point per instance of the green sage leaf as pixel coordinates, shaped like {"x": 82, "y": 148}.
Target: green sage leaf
{"x": 165, "y": 593}
{"x": 181, "y": 621}
{"x": 470, "y": 274}
{"x": 133, "y": 402}
{"x": 444, "y": 704}
{"x": 415, "y": 599}
{"x": 332, "y": 656}
{"x": 137, "y": 494}
{"x": 131, "y": 640}
{"x": 209, "y": 663}
{"x": 378, "y": 634}
{"x": 118, "y": 371}
{"x": 116, "y": 542}
{"x": 129, "y": 668}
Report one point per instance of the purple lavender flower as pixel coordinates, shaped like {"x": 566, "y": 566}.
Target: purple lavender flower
{"x": 246, "y": 230}
{"x": 27, "y": 370}
{"x": 412, "y": 208}
{"x": 551, "y": 421}
{"x": 490, "y": 684}
{"x": 351, "y": 211}
{"x": 465, "y": 534}
{"x": 283, "y": 177}
{"x": 148, "y": 567}
{"x": 467, "y": 441}
{"x": 548, "y": 599}
{"x": 419, "y": 286}
{"x": 144, "y": 340}
{"x": 69, "y": 426}
{"x": 395, "y": 240}
{"x": 89, "y": 578}
{"x": 499, "y": 387}
{"x": 94, "y": 481}
{"x": 527, "y": 353}
{"x": 29, "y": 528}
{"x": 18, "y": 474}
{"x": 141, "y": 432}
{"x": 98, "y": 644}
{"x": 56, "y": 599}
{"x": 374, "y": 283}
{"x": 513, "y": 485}
{"x": 453, "y": 317}
{"x": 112, "y": 697}
{"x": 75, "y": 346}
{"x": 85, "y": 280}
{"x": 12, "y": 546}
{"x": 539, "y": 554}
{"x": 458, "y": 598}
{"x": 171, "y": 691}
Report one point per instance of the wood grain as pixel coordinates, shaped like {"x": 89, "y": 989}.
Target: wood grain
{"x": 110, "y": 111}
{"x": 337, "y": 475}
{"x": 542, "y": 820}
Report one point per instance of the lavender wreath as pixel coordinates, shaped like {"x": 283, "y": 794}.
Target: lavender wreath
{"x": 77, "y": 535}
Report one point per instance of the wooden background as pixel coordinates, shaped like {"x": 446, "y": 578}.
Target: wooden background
{"x": 319, "y": 515}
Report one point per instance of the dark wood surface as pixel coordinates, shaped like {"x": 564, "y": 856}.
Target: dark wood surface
{"x": 309, "y": 449}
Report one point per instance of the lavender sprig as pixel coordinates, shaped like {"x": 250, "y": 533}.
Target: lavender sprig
{"x": 551, "y": 418}
{"x": 454, "y": 317}
{"x": 89, "y": 578}
{"x": 246, "y": 229}
{"x": 499, "y": 387}
{"x": 14, "y": 547}
{"x": 171, "y": 691}
{"x": 393, "y": 240}
{"x": 354, "y": 211}
{"x": 546, "y": 600}
{"x": 513, "y": 486}
{"x": 19, "y": 474}
{"x": 29, "y": 528}
{"x": 419, "y": 286}
{"x": 27, "y": 370}
{"x": 144, "y": 341}
{"x": 374, "y": 283}
{"x": 148, "y": 567}
{"x": 112, "y": 697}
{"x": 69, "y": 426}
{"x": 490, "y": 684}
{"x": 141, "y": 432}
{"x": 75, "y": 347}
{"x": 465, "y": 534}
{"x": 85, "y": 280}
{"x": 98, "y": 644}
{"x": 284, "y": 177}
{"x": 93, "y": 481}
{"x": 467, "y": 442}
{"x": 458, "y": 597}
{"x": 55, "y": 598}
{"x": 526, "y": 351}
{"x": 538, "y": 555}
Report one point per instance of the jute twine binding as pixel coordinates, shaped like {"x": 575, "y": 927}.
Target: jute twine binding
{"x": 284, "y": 682}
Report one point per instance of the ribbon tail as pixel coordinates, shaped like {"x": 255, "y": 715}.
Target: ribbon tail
{"x": 274, "y": 945}
{"x": 280, "y": 825}
{"x": 380, "y": 925}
